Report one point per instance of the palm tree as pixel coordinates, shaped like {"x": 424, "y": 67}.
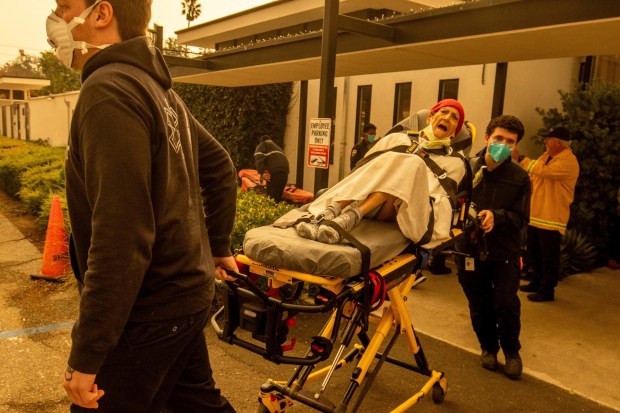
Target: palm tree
{"x": 191, "y": 10}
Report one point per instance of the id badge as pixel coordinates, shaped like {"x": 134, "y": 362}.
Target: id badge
{"x": 469, "y": 264}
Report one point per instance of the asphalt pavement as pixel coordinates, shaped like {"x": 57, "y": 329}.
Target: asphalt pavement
{"x": 570, "y": 347}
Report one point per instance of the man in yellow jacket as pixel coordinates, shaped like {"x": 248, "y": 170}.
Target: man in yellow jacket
{"x": 553, "y": 177}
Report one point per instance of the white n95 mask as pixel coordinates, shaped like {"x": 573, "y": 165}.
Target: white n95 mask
{"x": 59, "y": 35}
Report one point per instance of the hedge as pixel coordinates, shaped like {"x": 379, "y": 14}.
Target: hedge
{"x": 32, "y": 173}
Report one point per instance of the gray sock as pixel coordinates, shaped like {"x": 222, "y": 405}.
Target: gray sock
{"x": 331, "y": 212}
{"x": 307, "y": 230}
{"x": 347, "y": 220}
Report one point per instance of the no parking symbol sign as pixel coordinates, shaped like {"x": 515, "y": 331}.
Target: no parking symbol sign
{"x": 318, "y": 142}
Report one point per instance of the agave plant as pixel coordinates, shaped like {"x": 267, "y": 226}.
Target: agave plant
{"x": 577, "y": 254}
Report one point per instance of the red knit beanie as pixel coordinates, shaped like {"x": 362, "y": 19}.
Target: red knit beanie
{"x": 456, "y": 105}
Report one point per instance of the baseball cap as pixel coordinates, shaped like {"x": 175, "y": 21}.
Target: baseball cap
{"x": 559, "y": 132}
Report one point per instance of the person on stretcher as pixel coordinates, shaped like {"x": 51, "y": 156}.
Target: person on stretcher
{"x": 396, "y": 186}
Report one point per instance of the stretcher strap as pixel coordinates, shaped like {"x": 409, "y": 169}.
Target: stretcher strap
{"x": 365, "y": 252}
{"x": 426, "y": 238}
{"x": 304, "y": 218}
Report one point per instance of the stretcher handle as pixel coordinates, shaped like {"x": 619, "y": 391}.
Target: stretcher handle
{"x": 254, "y": 289}
{"x": 247, "y": 282}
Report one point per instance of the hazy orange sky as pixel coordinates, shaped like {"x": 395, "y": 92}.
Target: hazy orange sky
{"x": 23, "y": 21}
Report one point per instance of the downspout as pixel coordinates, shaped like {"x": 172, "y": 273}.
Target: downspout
{"x": 68, "y": 115}
{"x": 301, "y": 133}
{"x": 345, "y": 115}
{"x": 27, "y": 120}
{"x": 499, "y": 91}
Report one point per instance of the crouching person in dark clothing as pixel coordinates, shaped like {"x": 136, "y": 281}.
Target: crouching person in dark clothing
{"x": 272, "y": 164}
{"x": 490, "y": 275}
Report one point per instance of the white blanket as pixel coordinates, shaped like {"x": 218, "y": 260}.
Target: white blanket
{"x": 408, "y": 178}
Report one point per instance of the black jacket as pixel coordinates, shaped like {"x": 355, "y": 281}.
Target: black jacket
{"x": 269, "y": 156}
{"x": 506, "y": 192}
{"x": 359, "y": 150}
{"x": 141, "y": 173}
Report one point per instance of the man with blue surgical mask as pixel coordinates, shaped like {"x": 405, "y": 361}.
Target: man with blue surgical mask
{"x": 151, "y": 197}
{"x": 489, "y": 274}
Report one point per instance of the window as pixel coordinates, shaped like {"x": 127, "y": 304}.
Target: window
{"x": 402, "y": 102}
{"x": 5, "y": 94}
{"x": 448, "y": 89}
{"x": 19, "y": 95}
{"x": 607, "y": 68}
{"x": 364, "y": 96}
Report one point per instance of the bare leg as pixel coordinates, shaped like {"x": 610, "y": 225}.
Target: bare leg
{"x": 387, "y": 211}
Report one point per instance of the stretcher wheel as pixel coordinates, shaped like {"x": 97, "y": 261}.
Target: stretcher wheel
{"x": 439, "y": 390}
{"x": 273, "y": 403}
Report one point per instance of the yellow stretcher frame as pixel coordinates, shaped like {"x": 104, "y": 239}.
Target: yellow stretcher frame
{"x": 399, "y": 279}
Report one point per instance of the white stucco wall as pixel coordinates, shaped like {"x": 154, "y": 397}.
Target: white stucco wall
{"x": 290, "y": 134}
{"x": 535, "y": 84}
{"x": 48, "y": 118}
{"x": 51, "y": 117}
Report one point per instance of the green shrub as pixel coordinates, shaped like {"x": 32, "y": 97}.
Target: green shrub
{"x": 38, "y": 183}
{"x": 32, "y": 173}
{"x": 255, "y": 210}
{"x": 577, "y": 254}
{"x": 6, "y": 143}
{"x": 46, "y": 206}
{"x": 10, "y": 152}
{"x": 18, "y": 158}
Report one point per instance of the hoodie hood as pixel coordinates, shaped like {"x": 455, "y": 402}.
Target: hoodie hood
{"x": 135, "y": 52}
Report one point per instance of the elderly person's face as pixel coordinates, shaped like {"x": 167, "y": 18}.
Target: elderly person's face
{"x": 552, "y": 143}
{"x": 444, "y": 122}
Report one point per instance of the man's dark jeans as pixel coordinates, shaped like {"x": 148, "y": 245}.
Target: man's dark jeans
{"x": 494, "y": 306}
{"x": 543, "y": 248}
{"x": 157, "y": 365}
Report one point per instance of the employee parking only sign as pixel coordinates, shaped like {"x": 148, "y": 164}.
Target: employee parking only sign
{"x": 318, "y": 142}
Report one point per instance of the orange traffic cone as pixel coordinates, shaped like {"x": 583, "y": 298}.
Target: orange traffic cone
{"x": 56, "y": 249}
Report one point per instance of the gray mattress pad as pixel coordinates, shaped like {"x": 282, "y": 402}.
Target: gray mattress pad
{"x": 283, "y": 248}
